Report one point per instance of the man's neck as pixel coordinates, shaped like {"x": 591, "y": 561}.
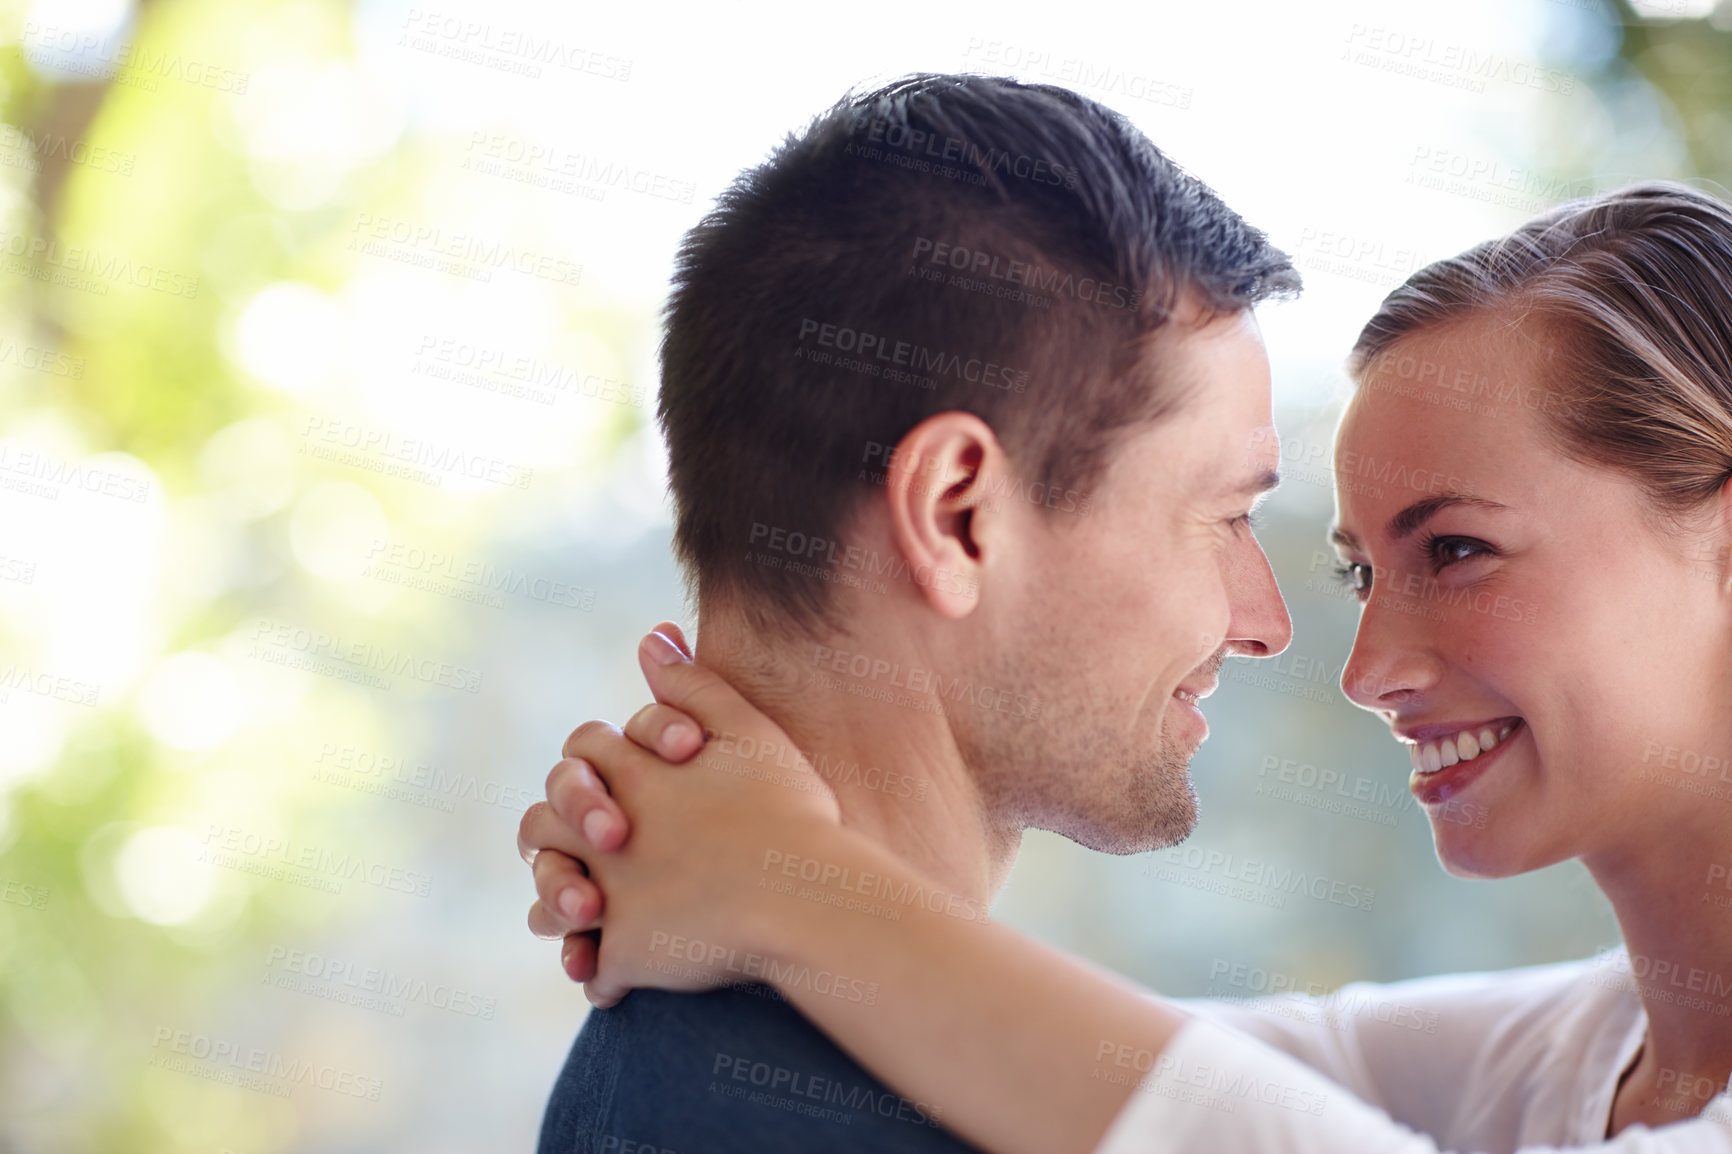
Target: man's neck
{"x": 881, "y": 741}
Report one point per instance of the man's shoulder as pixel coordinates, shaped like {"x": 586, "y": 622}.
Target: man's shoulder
{"x": 734, "y": 1069}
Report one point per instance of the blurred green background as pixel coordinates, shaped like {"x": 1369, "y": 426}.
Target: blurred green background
{"x": 330, "y": 502}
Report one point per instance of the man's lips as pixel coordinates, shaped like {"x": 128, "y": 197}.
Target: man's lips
{"x": 1194, "y": 692}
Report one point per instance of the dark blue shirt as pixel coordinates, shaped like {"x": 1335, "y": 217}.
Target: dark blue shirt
{"x": 732, "y": 1071}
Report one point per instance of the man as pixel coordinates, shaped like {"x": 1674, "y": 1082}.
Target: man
{"x": 965, "y": 413}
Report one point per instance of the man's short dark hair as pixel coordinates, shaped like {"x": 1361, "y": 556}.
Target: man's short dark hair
{"x": 947, "y": 242}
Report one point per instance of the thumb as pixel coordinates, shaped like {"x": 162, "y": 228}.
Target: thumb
{"x": 700, "y": 693}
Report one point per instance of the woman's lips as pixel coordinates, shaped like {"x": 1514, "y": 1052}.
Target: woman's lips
{"x": 1434, "y": 786}
{"x": 1445, "y": 747}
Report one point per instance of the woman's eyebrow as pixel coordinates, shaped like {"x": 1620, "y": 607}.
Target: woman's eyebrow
{"x": 1409, "y": 520}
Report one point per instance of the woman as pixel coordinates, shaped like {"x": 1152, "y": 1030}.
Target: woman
{"x": 1545, "y": 614}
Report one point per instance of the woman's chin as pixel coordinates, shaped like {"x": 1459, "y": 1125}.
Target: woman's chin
{"x": 1477, "y": 854}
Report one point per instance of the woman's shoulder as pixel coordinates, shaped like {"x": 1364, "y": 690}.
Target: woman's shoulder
{"x": 1536, "y": 990}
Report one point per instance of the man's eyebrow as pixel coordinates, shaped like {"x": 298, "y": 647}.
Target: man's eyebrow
{"x": 1408, "y": 521}
{"x": 1260, "y": 483}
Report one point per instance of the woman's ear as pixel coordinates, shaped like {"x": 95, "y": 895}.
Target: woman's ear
{"x": 938, "y": 488}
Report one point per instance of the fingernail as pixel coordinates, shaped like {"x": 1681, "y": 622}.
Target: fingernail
{"x": 596, "y": 823}
{"x": 678, "y": 733}
{"x": 568, "y": 905}
{"x": 565, "y": 956}
{"x": 661, "y": 650}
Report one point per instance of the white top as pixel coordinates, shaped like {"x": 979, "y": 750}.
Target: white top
{"x": 1526, "y": 1060}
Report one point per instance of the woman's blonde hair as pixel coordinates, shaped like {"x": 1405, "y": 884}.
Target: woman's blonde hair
{"x": 1632, "y": 291}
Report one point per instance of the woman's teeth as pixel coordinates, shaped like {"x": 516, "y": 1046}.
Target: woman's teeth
{"x": 1187, "y": 698}
{"x": 1464, "y": 746}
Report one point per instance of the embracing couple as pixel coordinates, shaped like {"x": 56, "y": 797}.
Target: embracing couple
{"x": 967, "y": 414}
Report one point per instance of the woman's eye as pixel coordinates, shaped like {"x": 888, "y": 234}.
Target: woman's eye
{"x": 1355, "y": 576}
{"x": 1443, "y": 552}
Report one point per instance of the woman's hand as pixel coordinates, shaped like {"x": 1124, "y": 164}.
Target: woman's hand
{"x": 555, "y": 839}
{"x": 674, "y": 857}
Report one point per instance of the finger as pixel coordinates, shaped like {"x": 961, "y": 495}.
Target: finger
{"x": 603, "y": 994}
{"x": 579, "y": 955}
{"x": 674, "y": 633}
{"x": 544, "y": 923}
{"x": 572, "y": 899}
{"x": 526, "y": 845}
{"x": 579, "y": 798}
{"x": 700, "y": 693}
{"x": 617, "y": 761}
{"x": 666, "y": 732}
{"x": 542, "y": 828}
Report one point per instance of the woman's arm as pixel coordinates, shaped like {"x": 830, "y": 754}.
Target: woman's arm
{"x": 721, "y": 875}
{"x": 728, "y": 873}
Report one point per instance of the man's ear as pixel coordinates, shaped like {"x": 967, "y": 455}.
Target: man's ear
{"x": 942, "y": 518}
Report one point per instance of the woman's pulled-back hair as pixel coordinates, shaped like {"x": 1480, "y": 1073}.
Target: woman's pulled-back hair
{"x": 1632, "y": 291}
